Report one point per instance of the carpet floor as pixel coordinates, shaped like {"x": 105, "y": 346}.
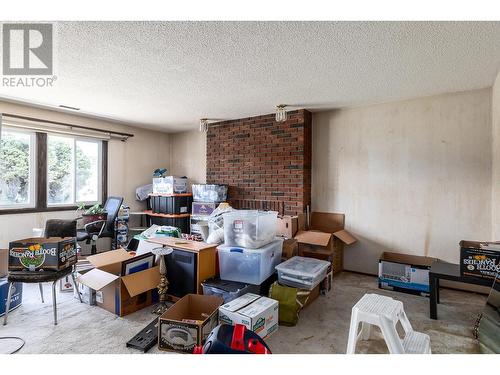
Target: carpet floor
{"x": 322, "y": 328}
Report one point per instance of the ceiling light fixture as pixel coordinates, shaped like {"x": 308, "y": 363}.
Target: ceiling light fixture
{"x": 281, "y": 113}
{"x": 204, "y": 125}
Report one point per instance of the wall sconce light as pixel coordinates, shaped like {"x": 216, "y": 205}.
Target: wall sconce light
{"x": 204, "y": 125}
{"x": 281, "y": 113}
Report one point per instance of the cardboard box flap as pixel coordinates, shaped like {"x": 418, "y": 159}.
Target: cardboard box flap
{"x": 97, "y": 279}
{"x": 240, "y": 302}
{"x": 313, "y": 237}
{"x": 193, "y": 307}
{"x": 142, "y": 281}
{"x": 327, "y": 222}
{"x": 345, "y": 237}
{"x": 414, "y": 260}
{"x": 109, "y": 257}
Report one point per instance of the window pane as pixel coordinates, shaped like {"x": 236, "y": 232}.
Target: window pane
{"x": 87, "y": 176}
{"x": 15, "y": 168}
{"x": 60, "y": 170}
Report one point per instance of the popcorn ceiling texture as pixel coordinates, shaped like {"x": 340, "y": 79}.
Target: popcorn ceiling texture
{"x": 168, "y": 75}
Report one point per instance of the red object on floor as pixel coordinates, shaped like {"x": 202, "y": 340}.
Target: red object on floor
{"x": 227, "y": 339}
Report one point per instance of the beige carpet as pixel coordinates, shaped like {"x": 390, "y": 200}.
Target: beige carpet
{"x": 323, "y": 326}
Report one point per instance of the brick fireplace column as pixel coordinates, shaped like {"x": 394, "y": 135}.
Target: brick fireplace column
{"x": 262, "y": 160}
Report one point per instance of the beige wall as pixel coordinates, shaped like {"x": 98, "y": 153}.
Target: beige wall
{"x": 188, "y": 155}
{"x": 130, "y": 165}
{"x": 495, "y": 123}
{"x": 411, "y": 176}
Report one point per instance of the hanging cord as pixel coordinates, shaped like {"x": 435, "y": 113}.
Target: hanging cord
{"x": 13, "y": 338}
{"x": 475, "y": 329}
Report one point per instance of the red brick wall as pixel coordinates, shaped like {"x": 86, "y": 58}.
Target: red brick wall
{"x": 261, "y": 159}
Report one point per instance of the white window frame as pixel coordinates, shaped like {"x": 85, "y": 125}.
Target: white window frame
{"x": 75, "y": 202}
{"x": 31, "y": 171}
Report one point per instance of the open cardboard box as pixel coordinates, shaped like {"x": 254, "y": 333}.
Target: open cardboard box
{"x": 324, "y": 237}
{"x": 188, "y": 322}
{"x": 121, "y": 295}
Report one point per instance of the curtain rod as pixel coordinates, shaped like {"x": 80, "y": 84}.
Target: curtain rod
{"x": 125, "y": 135}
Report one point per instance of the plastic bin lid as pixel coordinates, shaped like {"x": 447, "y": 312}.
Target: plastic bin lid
{"x": 246, "y": 249}
{"x": 225, "y": 285}
{"x": 303, "y": 266}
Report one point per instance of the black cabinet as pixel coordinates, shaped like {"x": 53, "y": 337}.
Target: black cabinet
{"x": 181, "y": 273}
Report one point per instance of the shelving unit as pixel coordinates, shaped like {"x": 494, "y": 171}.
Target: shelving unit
{"x": 176, "y": 220}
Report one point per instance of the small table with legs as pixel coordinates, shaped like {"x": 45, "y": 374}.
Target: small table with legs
{"x": 448, "y": 271}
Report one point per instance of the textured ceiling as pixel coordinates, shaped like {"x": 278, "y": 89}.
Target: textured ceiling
{"x": 169, "y": 74}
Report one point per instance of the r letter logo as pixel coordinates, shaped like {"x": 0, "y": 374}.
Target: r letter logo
{"x": 27, "y": 49}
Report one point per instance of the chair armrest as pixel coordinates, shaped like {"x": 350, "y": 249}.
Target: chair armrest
{"x": 95, "y": 223}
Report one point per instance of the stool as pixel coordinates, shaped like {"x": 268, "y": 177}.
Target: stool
{"x": 385, "y": 312}
{"x": 38, "y": 277}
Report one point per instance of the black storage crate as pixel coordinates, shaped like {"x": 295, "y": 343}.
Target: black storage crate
{"x": 180, "y": 221}
{"x": 171, "y": 204}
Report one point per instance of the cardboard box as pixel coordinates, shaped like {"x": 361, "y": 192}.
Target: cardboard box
{"x": 87, "y": 294}
{"x": 404, "y": 273}
{"x": 258, "y": 314}
{"x": 170, "y": 185}
{"x": 35, "y": 254}
{"x": 287, "y": 226}
{"x": 121, "y": 295}
{"x": 479, "y": 259}
{"x": 17, "y": 293}
{"x": 4, "y": 262}
{"x": 290, "y": 248}
{"x": 324, "y": 237}
{"x": 188, "y": 322}
{"x": 15, "y": 300}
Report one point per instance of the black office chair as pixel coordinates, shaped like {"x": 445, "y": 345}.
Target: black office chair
{"x": 101, "y": 228}
{"x": 60, "y": 228}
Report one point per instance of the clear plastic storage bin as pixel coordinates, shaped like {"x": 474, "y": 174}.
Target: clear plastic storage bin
{"x": 249, "y": 228}
{"x": 228, "y": 290}
{"x": 209, "y": 193}
{"x": 251, "y": 266}
{"x": 301, "y": 272}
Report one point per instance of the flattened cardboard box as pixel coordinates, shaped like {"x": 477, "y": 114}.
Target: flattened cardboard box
{"x": 324, "y": 237}
{"x": 188, "y": 322}
{"x": 258, "y": 314}
{"x": 121, "y": 295}
{"x": 34, "y": 254}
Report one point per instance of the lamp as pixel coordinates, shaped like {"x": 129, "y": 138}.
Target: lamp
{"x": 163, "y": 285}
{"x": 204, "y": 125}
{"x": 281, "y": 113}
